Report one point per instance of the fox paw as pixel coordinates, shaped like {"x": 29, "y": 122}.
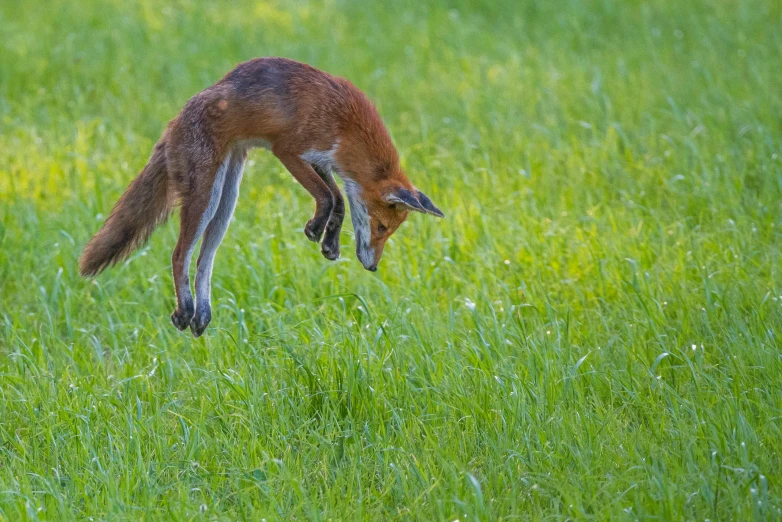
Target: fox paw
{"x": 200, "y": 321}
{"x": 330, "y": 250}
{"x": 314, "y": 229}
{"x": 181, "y": 318}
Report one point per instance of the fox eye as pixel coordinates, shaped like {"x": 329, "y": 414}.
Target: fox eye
{"x": 381, "y": 228}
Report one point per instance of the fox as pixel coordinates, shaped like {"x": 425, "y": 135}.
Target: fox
{"x": 316, "y": 124}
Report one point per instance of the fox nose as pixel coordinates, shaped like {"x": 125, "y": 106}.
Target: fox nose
{"x": 372, "y": 268}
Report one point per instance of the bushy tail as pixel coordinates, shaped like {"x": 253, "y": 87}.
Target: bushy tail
{"x": 143, "y": 206}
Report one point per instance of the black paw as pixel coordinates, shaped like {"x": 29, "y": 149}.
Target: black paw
{"x": 200, "y": 321}
{"x": 314, "y": 229}
{"x": 181, "y": 317}
{"x": 330, "y": 249}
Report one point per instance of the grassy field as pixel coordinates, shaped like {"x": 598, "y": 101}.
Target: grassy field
{"x": 592, "y": 333}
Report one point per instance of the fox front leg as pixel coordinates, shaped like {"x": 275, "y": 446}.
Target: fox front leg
{"x": 310, "y": 180}
{"x": 330, "y": 246}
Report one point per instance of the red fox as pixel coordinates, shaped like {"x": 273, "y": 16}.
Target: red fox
{"x": 316, "y": 124}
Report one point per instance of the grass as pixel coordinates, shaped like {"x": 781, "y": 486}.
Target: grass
{"x": 592, "y": 333}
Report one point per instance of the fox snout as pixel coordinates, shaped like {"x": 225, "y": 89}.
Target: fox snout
{"x": 366, "y": 256}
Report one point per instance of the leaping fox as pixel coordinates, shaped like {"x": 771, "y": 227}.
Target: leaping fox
{"x": 316, "y": 124}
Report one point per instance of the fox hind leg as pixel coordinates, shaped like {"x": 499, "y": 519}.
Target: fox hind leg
{"x": 198, "y": 208}
{"x": 213, "y": 236}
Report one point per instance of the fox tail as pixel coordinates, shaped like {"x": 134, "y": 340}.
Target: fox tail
{"x": 144, "y": 205}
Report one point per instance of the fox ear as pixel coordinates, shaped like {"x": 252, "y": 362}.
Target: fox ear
{"x": 427, "y": 204}
{"x": 405, "y": 198}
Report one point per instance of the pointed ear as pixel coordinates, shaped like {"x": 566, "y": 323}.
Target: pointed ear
{"x": 405, "y": 198}
{"x": 429, "y": 207}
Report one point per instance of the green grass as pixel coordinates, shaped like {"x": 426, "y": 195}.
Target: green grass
{"x": 592, "y": 333}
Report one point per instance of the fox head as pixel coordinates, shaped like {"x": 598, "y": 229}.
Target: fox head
{"x": 377, "y": 211}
